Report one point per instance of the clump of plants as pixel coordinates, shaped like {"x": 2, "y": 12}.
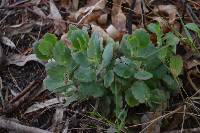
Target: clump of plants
{"x": 126, "y": 74}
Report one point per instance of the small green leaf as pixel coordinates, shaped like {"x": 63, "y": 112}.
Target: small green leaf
{"x": 123, "y": 70}
{"x": 46, "y": 44}
{"x": 171, "y": 84}
{"x": 38, "y": 53}
{"x": 108, "y": 78}
{"x": 107, "y": 54}
{"x": 143, "y": 37}
{"x": 193, "y": 27}
{"x": 124, "y": 46}
{"x": 140, "y": 91}
{"x": 85, "y": 74}
{"x": 130, "y": 99}
{"x": 78, "y": 38}
{"x": 172, "y": 40}
{"x": 56, "y": 71}
{"x": 45, "y": 48}
{"x": 176, "y": 65}
{"x": 94, "y": 48}
{"x": 143, "y": 75}
{"x": 51, "y": 38}
{"x": 81, "y": 58}
{"x": 91, "y": 89}
{"x": 157, "y": 96}
{"x": 52, "y": 84}
{"x": 61, "y": 53}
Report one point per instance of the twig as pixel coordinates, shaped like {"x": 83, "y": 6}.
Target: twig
{"x": 130, "y": 17}
{"x": 90, "y": 11}
{"x": 11, "y": 125}
{"x": 24, "y": 97}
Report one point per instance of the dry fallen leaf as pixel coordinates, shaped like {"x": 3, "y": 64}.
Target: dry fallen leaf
{"x": 41, "y": 105}
{"x": 8, "y": 42}
{"x": 138, "y": 9}
{"x": 167, "y": 9}
{"x": 21, "y": 60}
{"x": 60, "y": 26}
{"x": 118, "y": 17}
{"x": 151, "y": 127}
{"x": 96, "y": 28}
{"x": 19, "y": 28}
{"x": 103, "y": 19}
{"x": 86, "y": 11}
{"x": 39, "y": 12}
{"x": 113, "y": 32}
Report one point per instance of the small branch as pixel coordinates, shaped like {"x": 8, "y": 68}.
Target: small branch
{"x": 10, "y": 125}
{"x": 130, "y": 17}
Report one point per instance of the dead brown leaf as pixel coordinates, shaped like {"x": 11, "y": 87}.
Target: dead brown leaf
{"x": 113, "y": 32}
{"x": 103, "y": 19}
{"x": 86, "y": 11}
{"x": 170, "y": 10}
{"x": 60, "y": 26}
{"x": 21, "y": 60}
{"x": 96, "y": 28}
{"x": 6, "y": 41}
{"x": 19, "y": 28}
{"x": 118, "y": 17}
{"x": 154, "y": 127}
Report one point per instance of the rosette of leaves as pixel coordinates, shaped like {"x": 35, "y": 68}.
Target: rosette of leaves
{"x": 131, "y": 73}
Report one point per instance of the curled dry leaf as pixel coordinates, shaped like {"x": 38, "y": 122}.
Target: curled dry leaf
{"x": 118, "y": 17}
{"x": 38, "y": 106}
{"x": 19, "y": 28}
{"x": 113, "y": 32}
{"x": 21, "y": 60}
{"x": 96, "y": 28}
{"x": 8, "y": 42}
{"x": 39, "y": 12}
{"x": 88, "y": 9}
{"x": 103, "y": 19}
{"x": 58, "y": 21}
{"x": 167, "y": 9}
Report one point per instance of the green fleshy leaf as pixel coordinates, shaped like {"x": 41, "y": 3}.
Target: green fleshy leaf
{"x": 143, "y": 37}
{"x": 193, "y": 27}
{"x": 46, "y": 44}
{"x": 94, "y": 48}
{"x": 91, "y": 89}
{"x": 81, "y": 59}
{"x": 85, "y": 74}
{"x": 108, "y": 78}
{"x": 56, "y": 71}
{"x": 157, "y": 97}
{"x": 38, "y": 53}
{"x": 130, "y": 99}
{"x": 123, "y": 70}
{"x": 172, "y": 40}
{"x": 140, "y": 91}
{"x": 143, "y": 75}
{"x": 52, "y": 84}
{"x": 170, "y": 82}
{"x": 78, "y": 38}
{"x": 61, "y": 53}
{"x": 107, "y": 54}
